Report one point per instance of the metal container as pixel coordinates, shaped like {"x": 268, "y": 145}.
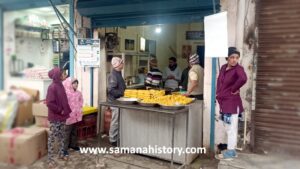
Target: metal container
{"x": 124, "y": 100}
{"x": 148, "y": 104}
{"x": 171, "y": 107}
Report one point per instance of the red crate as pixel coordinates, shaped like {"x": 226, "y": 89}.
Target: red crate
{"x": 90, "y": 119}
{"x": 87, "y": 128}
{"x": 86, "y": 131}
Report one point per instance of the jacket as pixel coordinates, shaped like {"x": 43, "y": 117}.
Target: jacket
{"x": 56, "y": 99}
{"x": 230, "y": 81}
{"x": 116, "y": 85}
{"x": 75, "y": 101}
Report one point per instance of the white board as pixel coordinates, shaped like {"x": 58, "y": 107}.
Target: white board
{"x": 88, "y": 52}
{"x": 216, "y": 35}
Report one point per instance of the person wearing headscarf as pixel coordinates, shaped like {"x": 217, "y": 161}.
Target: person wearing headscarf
{"x": 116, "y": 89}
{"x": 195, "y": 80}
{"x": 231, "y": 78}
{"x": 58, "y": 113}
{"x": 75, "y": 100}
{"x": 154, "y": 75}
{"x": 172, "y": 74}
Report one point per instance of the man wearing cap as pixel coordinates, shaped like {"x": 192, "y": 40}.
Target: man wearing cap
{"x": 116, "y": 88}
{"x": 232, "y": 77}
{"x": 154, "y": 76}
{"x": 195, "y": 79}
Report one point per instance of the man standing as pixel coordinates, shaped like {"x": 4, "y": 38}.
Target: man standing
{"x": 195, "y": 81}
{"x": 154, "y": 75}
{"x": 172, "y": 74}
{"x": 185, "y": 77}
{"x": 116, "y": 88}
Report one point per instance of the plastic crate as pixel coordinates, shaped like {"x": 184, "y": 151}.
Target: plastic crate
{"x": 90, "y": 119}
{"x": 86, "y": 131}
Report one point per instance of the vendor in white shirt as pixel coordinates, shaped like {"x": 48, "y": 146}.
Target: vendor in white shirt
{"x": 172, "y": 74}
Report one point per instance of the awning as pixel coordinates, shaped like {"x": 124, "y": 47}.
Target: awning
{"x": 109, "y": 13}
{"x": 9, "y": 5}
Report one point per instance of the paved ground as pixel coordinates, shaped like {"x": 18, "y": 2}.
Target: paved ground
{"x": 256, "y": 161}
{"x": 125, "y": 161}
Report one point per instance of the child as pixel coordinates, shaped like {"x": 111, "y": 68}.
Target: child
{"x": 58, "y": 112}
{"x": 76, "y": 102}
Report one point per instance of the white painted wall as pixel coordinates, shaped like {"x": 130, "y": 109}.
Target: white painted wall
{"x": 168, "y": 37}
{"x": 29, "y": 49}
{"x": 34, "y": 50}
{"x": 83, "y": 74}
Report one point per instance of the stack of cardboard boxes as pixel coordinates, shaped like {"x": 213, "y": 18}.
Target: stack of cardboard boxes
{"x": 40, "y": 112}
{"x": 24, "y": 115}
{"x": 24, "y": 145}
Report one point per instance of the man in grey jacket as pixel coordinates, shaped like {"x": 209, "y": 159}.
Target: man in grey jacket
{"x": 116, "y": 88}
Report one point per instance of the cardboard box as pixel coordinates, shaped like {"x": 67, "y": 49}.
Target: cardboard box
{"x": 35, "y": 94}
{"x": 40, "y": 109}
{"x": 41, "y": 121}
{"x": 23, "y": 146}
{"x": 24, "y": 115}
{"x": 56, "y": 143}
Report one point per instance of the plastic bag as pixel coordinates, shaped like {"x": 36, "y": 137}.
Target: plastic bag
{"x": 8, "y": 110}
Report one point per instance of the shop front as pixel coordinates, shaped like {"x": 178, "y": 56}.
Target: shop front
{"x": 34, "y": 40}
{"x": 138, "y": 32}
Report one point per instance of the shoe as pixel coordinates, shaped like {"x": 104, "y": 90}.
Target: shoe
{"x": 227, "y": 155}
{"x": 114, "y": 144}
{"x": 64, "y": 156}
{"x": 75, "y": 148}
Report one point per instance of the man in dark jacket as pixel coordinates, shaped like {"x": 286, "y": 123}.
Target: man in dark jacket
{"x": 116, "y": 89}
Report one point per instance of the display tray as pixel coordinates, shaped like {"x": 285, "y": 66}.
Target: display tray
{"x": 148, "y": 104}
{"x": 125, "y": 100}
{"x": 172, "y": 107}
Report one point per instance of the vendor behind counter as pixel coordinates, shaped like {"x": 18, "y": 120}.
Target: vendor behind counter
{"x": 195, "y": 80}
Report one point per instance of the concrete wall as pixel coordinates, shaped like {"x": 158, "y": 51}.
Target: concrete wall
{"x": 164, "y": 40}
{"x": 28, "y": 48}
{"x": 84, "y": 74}
{"x": 181, "y": 40}
{"x": 242, "y": 34}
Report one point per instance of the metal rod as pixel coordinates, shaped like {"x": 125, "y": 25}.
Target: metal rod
{"x": 214, "y": 6}
{"x": 212, "y": 106}
{"x": 172, "y": 141}
{"x": 213, "y": 96}
{"x": 1, "y": 51}
{"x": 245, "y": 128}
{"x": 60, "y": 15}
{"x": 119, "y": 129}
{"x": 71, "y": 33}
{"x": 186, "y": 136}
{"x": 92, "y": 85}
{"x": 71, "y": 37}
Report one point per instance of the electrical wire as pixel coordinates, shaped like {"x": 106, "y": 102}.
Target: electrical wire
{"x": 62, "y": 24}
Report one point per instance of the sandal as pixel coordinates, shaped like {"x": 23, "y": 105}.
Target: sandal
{"x": 52, "y": 165}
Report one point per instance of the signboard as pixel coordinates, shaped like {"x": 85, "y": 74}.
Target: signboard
{"x": 216, "y": 35}
{"x": 88, "y": 52}
{"x": 194, "y": 35}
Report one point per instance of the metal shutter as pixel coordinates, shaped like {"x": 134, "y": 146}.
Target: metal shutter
{"x": 277, "y": 115}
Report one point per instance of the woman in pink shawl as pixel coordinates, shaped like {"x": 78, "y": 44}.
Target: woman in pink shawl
{"x": 76, "y": 102}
